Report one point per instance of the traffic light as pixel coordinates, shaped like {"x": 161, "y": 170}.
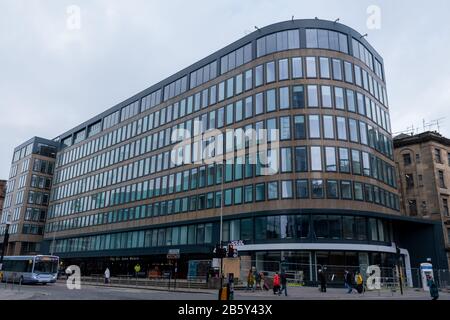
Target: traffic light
{"x": 230, "y": 251}
{"x": 219, "y": 252}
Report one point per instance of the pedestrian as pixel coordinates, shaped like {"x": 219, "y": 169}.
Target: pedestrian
{"x": 265, "y": 286}
{"x": 107, "y": 275}
{"x": 359, "y": 283}
{"x": 434, "y": 291}
{"x": 283, "y": 278}
{"x": 258, "y": 280}
{"x": 276, "y": 283}
{"x": 323, "y": 281}
{"x": 250, "y": 280}
{"x": 348, "y": 281}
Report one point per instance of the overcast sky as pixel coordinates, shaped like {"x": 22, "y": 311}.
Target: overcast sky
{"x": 52, "y": 78}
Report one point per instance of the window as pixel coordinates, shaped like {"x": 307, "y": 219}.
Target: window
{"x": 348, "y": 71}
{"x": 286, "y": 190}
{"x": 350, "y": 100}
{"x": 279, "y": 41}
{"x": 445, "y": 206}
{"x": 358, "y": 191}
{"x": 356, "y": 162}
{"x": 313, "y": 100}
{"x": 441, "y": 179}
{"x": 353, "y": 128}
{"x": 302, "y": 189}
{"x": 341, "y": 128}
{"x": 272, "y": 190}
{"x": 248, "y": 107}
{"x": 317, "y": 191}
{"x": 366, "y": 164}
{"x": 283, "y": 70}
{"x": 286, "y": 160}
{"x": 412, "y": 204}
{"x": 339, "y": 98}
{"x": 311, "y": 71}
{"x": 328, "y": 127}
{"x": 271, "y": 100}
{"x": 248, "y": 80}
{"x": 299, "y": 127}
{"x": 270, "y": 72}
{"x": 326, "y": 39}
{"x": 330, "y": 159}
{"x": 324, "y": 68}
{"x": 238, "y": 195}
{"x": 298, "y": 97}
{"x": 229, "y": 114}
{"x": 259, "y": 106}
{"x": 284, "y": 98}
{"x": 301, "y": 159}
{"x": 248, "y": 194}
{"x": 238, "y": 110}
{"x": 337, "y": 69}
{"x": 316, "y": 159}
{"x": 363, "y": 132}
{"x": 344, "y": 160}
{"x": 297, "y": 68}
{"x": 285, "y": 128}
{"x": 332, "y": 189}
{"x": 314, "y": 127}
{"x": 260, "y": 192}
{"x": 259, "y": 76}
{"x": 228, "y": 197}
{"x": 346, "y": 190}
{"x": 326, "y": 97}
{"x": 437, "y": 155}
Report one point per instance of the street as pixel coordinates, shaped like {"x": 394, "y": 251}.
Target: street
{"x": 59, "y": 291}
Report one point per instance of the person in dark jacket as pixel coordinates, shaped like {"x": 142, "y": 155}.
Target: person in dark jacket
{"x": 283, "y": 279}
{"x": 323, "y": 281}
{"x": 348, "y": 280}
{"x": 434, "y": 291}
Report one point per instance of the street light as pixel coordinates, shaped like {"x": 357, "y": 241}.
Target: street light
{"x": 5, "y": 243}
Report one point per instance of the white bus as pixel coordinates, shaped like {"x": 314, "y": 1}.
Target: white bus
{"x": 30, "y": 269}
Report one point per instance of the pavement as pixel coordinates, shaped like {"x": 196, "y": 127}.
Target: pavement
{"x": 59, "y": 291}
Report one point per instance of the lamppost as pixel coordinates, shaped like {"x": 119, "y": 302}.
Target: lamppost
{"x": 221, "y": 229}
{"x": 5, "y": 243}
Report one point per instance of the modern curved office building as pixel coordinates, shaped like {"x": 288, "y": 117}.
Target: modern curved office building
{"x": 330, "y": 197}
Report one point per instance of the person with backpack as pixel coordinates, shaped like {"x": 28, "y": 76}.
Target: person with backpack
{"x": 276, "y": 283}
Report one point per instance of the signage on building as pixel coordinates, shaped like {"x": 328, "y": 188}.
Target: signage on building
{"x": 173, "y": 254}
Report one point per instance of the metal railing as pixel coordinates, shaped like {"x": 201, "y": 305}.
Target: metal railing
{"x": 156, "y": 282}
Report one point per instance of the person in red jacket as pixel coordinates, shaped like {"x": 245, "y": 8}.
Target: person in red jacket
{"x": 276, "y": 283}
